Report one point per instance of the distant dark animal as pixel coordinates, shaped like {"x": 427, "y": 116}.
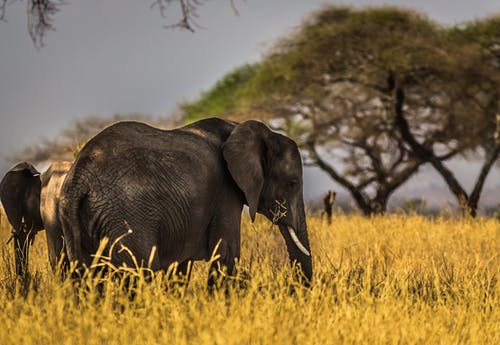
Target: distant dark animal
{"x": 31, "y": 202}
{"x": 177, "y": 195}
{"x": 328, "y": 202}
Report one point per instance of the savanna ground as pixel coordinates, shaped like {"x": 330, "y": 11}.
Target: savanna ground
{"x": 394, "y": 279}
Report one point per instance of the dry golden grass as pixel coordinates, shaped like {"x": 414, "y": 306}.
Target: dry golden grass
{"x": 383, "y": 280}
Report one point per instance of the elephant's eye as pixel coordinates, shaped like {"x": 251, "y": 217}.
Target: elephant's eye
{"x": 293, "y": 183}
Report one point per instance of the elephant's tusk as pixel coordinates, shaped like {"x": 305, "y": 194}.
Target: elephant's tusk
{"x": 295, "y": 239}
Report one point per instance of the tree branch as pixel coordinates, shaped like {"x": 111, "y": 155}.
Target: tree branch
{"x": 404, "y": 175}
{"x": 40, "y": 15}
{"x": 422, "y": 152}
{"x": 360, "y": 198}
{"x": 3, "y": 7}
{"x": 448, "y": 155}
{"x": 380, "y": 90}
{"x": 485, "y": 169}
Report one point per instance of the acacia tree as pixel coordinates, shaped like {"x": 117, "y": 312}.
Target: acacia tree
{"x": 331, "y": 87}
{"x": 480, "y": 89}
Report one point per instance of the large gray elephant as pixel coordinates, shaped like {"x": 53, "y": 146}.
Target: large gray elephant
{"x": 31, "y": 202}
{"x": 177, "y": 195}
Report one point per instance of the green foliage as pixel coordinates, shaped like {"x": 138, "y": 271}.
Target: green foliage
{"x": 222, "y": 97}
{"x": 486, "y": 32}
{"x": 369, "y": 43}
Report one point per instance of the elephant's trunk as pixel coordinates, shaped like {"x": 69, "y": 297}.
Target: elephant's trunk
{"x": 299, "y": 249}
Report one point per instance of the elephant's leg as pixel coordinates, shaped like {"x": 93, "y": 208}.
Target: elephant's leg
{"x": 55, "y": 247}
{"x": 223, "y": 266}
{"x": 224, "y": 238}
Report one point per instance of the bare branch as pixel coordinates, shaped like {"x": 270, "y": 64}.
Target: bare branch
{"x": 40, "y": 17}
{"x": 364, "y": 183}
{"x": 3, "y": 7}
{"x": 40, "y": 14}
{"x": 448, "y": 155}
{"x": 188, "y": 10}
{"x": 235, "y": 9}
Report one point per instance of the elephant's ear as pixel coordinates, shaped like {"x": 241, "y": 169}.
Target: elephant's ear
{"x": 20, "y": 195}
{"x": 243, "y": 152}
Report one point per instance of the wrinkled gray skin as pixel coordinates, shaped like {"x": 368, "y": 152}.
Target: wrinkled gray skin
{"x": 181, "y": 192}
{"x": 31, "y": 203}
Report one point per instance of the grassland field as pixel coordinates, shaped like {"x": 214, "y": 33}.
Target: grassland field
{"x": 395, "y": 279}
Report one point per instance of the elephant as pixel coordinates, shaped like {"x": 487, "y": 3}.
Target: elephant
{"x": 30, "y": 201}
{"x": 177, "y": 196}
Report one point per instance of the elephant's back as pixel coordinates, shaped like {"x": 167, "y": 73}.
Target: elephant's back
{"x": 119, "y": 137}
{"x": 123, "y": 137}
{"x": 132, "y": 162}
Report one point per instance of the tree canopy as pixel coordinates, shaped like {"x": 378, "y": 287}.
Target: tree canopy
{"x": 347, "y": 81}
{"x": 220, "y": 99}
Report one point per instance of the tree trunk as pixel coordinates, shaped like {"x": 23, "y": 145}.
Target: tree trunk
{"x": 491, "y": 157}
{"x": 468, "y": 204}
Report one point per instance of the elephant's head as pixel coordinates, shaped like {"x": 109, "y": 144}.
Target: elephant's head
{"x": 267, "y": 167}
{"x": 20, "y": 195}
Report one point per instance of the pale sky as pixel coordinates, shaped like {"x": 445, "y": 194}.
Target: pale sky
{"x": 108, "y": 57}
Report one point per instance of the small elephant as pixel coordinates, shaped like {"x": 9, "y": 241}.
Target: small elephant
{"x": 31, "y": 203}
{"x": 177, "y": 195}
